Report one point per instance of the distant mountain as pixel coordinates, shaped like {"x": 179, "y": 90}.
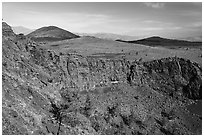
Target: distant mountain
{"x": 164, "y": 42}
{"x": 51, "y": 33}
{"x": 21, "y": 29}
{"x": 110, "y": 36}
{"x": 195, "y": 38}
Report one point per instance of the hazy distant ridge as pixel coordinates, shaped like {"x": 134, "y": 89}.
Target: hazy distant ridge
{"x": 21, "y": 29}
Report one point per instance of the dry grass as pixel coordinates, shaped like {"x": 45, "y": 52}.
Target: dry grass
{"x": 96, "y": 47}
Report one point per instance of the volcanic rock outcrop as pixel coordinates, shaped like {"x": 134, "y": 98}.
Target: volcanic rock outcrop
{"x": 7, "y": 30}
{"x": 47, "y": 92}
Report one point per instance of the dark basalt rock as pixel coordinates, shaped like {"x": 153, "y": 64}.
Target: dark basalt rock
{"x": 56, "y": 93}
{"x": 175, "y": 75}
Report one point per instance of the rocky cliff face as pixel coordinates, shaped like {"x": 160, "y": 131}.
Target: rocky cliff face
{"x": 7, "y": 30}
{"x": 169, "y": 75}
{"x": 46, "y": 92}
{"x": 175, "y": 76}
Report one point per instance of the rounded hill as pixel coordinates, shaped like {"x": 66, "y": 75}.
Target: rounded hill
{"x": 51, "y": 33}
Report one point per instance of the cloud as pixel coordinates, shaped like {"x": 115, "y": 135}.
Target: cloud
{"x": 197, "y": 24}
{"x": 76, "y": 21}
{"x": 155, "y": 5}
{"x": 169, "y": 28}
{"x": 151, "y": 21}
{"x": 157, "y": 24}
{"x": 191, "y": 13}
{"x": 153, "y": 28}
{"x": 175, "y": 28}
{"x": 199, "y": 4}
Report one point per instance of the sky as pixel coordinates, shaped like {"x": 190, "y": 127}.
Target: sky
{"x": 171, "y": 19}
